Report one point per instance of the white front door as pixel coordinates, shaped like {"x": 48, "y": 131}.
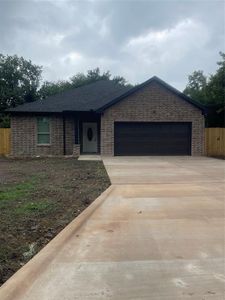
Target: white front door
{"x": 90, "y": 137}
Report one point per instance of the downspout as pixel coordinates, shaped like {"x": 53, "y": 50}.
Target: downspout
{"x": 64, "y": 136}
{"x": 78, "y": 131}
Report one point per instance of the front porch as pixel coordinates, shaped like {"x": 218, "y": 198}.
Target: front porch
{"x": 83, "y": 132}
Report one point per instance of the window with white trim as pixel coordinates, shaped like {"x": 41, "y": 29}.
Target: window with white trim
{"x": 43, "y": 131}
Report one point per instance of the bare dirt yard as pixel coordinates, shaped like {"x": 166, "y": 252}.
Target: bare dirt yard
{"x": 38, "y": 198}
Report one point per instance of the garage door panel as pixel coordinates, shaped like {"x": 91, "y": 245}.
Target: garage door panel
{"x": 146, "y": 138}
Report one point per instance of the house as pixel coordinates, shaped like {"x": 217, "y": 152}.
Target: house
{"x": 152, "y": 118}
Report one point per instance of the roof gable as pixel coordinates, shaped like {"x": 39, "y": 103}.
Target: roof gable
{"x": 142, "y": 85}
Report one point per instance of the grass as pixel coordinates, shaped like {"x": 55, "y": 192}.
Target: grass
{"x": 34, "y": 207}
{"x": 38, "y": 198}
{"x": 18, "y": 191}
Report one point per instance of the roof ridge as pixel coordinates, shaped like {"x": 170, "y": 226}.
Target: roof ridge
{"x": 75, "y": 88}
{"x": 93, "y": 95}
{"x": 96, "y": 96}
{"x": 160, "y": 81}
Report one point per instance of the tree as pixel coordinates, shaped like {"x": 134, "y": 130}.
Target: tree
{"x": 92, "y": 76}
{"x": 196, "y": 87}
{"x": 121, "y": 80}
{"x": 19, "y": 82}
{"x": 210, "y": 92}
{"x": 216, "y": 84}
{"x": 95, "y": 75}
{"x": 80, "y": 79}
{"x": 51, "y": 88}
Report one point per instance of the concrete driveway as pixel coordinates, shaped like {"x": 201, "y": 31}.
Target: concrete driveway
{"x": 156, "y": 233}
{"x": 164, "y": 169}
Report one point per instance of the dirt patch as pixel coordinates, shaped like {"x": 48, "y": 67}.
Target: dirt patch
{"x": 38, "y": 198}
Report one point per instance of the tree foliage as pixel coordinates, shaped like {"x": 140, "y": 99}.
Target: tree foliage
{"x": 196, "y": 87}
{"x": 216, "y": 84}
{"x": 209, "y": 90}
{"x": 19, "y": 82}
{"x": 80, "y": 79}
{"x": 49, "y": 88}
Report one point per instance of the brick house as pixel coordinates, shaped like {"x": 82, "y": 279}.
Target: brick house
{"x": 152, "y": 118}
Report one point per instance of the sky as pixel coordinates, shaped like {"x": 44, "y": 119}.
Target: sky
{"x": 135, "y": 39}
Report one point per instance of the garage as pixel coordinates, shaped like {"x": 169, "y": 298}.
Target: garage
{"x": 152, "y": 138}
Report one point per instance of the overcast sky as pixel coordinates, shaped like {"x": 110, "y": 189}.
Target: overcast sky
{"x": 134, "y": 39}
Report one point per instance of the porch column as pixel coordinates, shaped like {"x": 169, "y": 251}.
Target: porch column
{"x": 76, "y": 146}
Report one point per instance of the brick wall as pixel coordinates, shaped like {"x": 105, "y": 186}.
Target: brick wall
{"x": 69, "y": 128}
{"x": 151, "y": 104}
{"x": 24, "y": 136}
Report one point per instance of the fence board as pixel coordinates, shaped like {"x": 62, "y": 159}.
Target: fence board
{"x": 5, "y": 141}
{"x": 215, "y": 142}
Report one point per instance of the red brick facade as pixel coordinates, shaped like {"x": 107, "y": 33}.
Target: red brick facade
{"x": 24, "y": 136}
{"x": 153, "y": 103}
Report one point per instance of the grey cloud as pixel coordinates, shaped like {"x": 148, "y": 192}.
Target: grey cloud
{"x": 135, "y": 39}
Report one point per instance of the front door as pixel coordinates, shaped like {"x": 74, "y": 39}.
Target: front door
{"x": 90, "y": 137}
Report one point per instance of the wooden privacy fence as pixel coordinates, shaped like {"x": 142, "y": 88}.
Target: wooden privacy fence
{"x": 5, "y": 140}
{"x": 215, "y": 142}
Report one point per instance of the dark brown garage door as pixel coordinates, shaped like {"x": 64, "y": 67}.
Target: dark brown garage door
{"x": 155, "y": 138}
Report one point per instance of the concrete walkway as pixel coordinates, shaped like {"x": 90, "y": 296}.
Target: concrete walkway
{"x": 156, "y": 233}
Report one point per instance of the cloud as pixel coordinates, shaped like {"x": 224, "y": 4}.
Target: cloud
{"x": 168, "y": 44}
{"x": 135, "y": 39}
{"x": 162, "y": 50}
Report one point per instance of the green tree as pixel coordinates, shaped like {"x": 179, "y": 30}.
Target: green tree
{"x": 210, "y": 92}
{"x": 80, "y": 79}
{"x": 19, "y": 82}
{"x": 216, "y": 84}
{"x": 95, "y": 75}
{"x": 51, "y": 88}
{"x": 196, "y": 87}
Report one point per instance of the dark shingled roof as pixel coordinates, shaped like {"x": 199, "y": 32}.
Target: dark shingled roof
{"x": 96, "y": 96}
{"x": 85, "y": 98}
{"x": 160, "y": 82}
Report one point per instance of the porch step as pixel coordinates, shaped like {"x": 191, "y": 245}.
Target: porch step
{"x": 89, "y": 157}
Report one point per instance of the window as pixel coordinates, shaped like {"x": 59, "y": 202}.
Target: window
{"x": 43, "y": 130}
